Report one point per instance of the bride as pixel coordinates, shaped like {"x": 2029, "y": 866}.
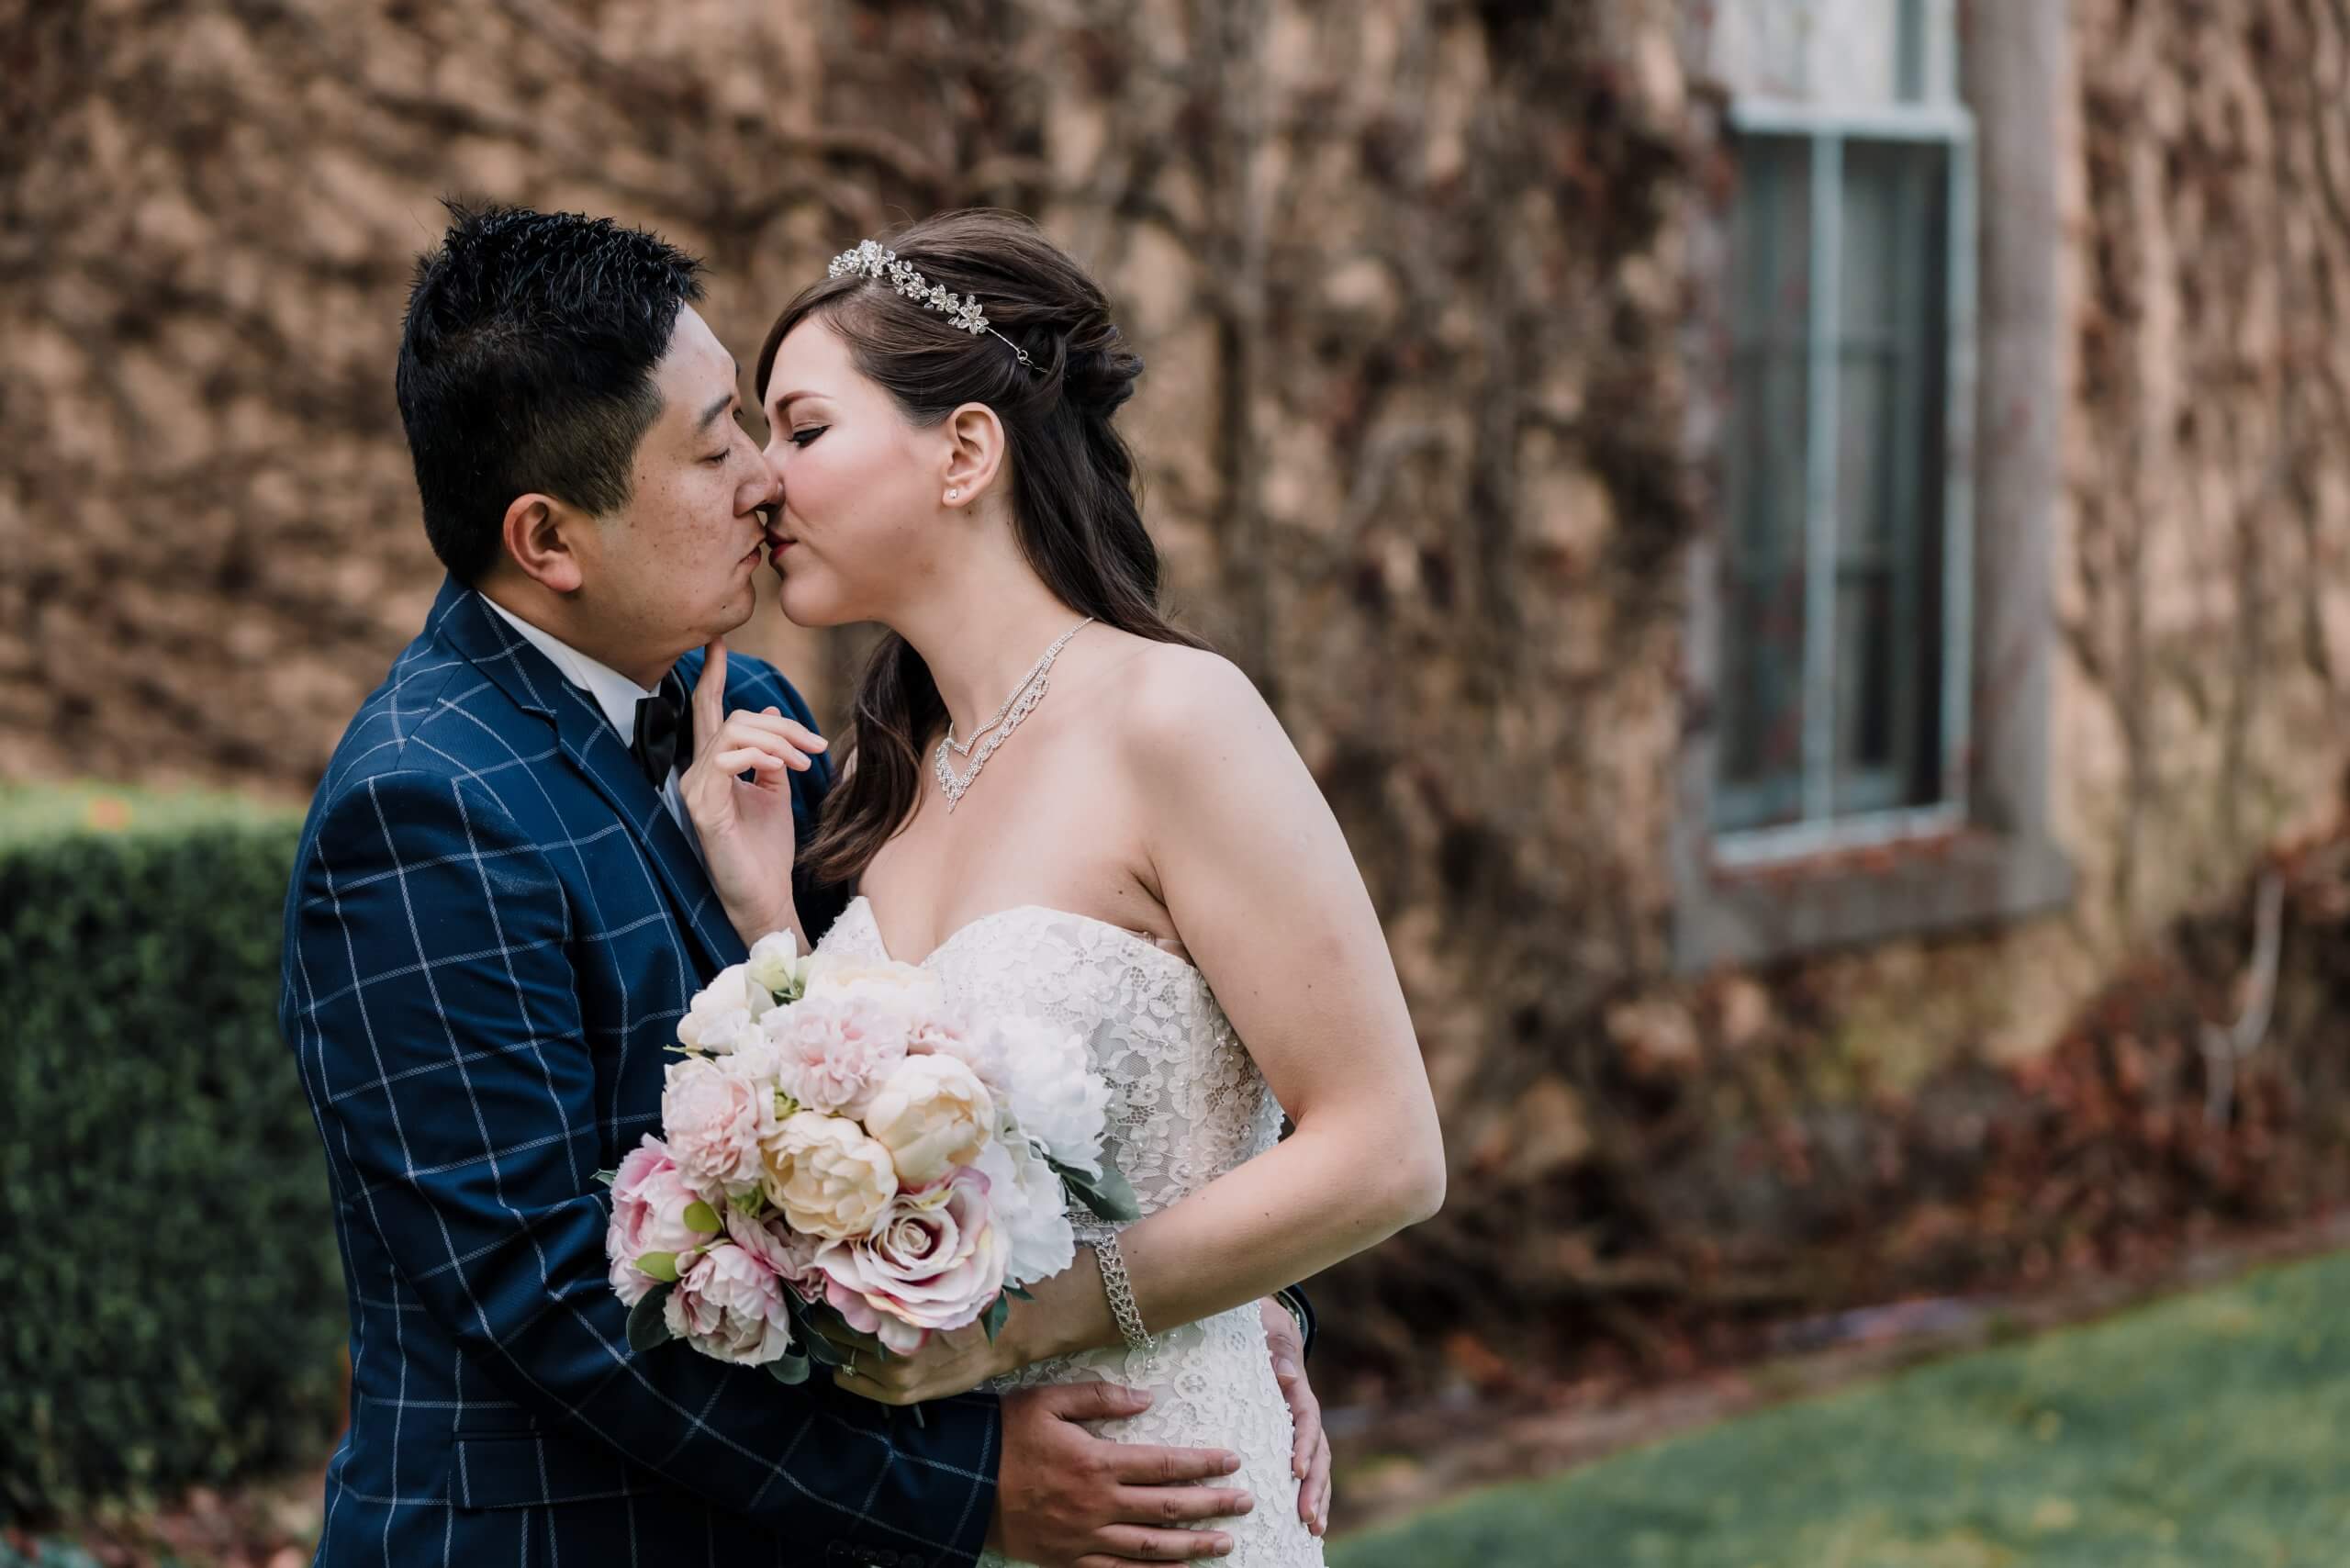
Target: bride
{"x": 1064, "y": 805}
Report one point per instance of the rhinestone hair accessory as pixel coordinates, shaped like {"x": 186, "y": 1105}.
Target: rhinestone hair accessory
{"x": 872, "y": 259}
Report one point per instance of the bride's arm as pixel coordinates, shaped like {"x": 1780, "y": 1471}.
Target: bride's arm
{"x": 1265, "y": 894}
{"x": 1251, "y": 866}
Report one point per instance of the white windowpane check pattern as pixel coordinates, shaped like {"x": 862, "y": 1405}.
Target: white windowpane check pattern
{"x": 1843, "y": 669}
{"x": 493, "y": 926}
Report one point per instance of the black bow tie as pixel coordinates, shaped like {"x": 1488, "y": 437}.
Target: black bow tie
{"x": 665, "y": 731}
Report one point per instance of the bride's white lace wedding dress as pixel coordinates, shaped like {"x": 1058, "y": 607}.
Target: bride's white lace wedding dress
{"x": 1187, "y": 1104}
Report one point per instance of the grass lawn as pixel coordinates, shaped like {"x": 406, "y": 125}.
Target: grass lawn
{"x": 2204, "y": 1431}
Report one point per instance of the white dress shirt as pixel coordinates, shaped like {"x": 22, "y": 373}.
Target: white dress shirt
{"x": 615, "y": 694}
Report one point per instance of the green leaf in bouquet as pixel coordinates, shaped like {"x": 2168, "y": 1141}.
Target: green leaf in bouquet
{"x": 646, "y": 1326}
{"x": 992, "y": 1319}
{"x": 788, "y": 1368}
{"x": 608, "y": 1177}
{"x": 1018, "y": 1294}
{"x": 753, "y": 1203}
{"x": 662, "y": 1266}
{"x": 701, "y": 1216}
{"x": 1107, "y": 1194}
{"x": 821, "y": 1350}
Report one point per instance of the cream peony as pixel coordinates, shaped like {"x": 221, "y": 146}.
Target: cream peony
{"x": 717, "y": 1118}
{"x": 934, "y": 1263}
{"x": 729, "y": 1305}
{"x": 827, "y": 1177}
{"x": 932, "y": 1113}
{"x": 903, "y": 986}
{"x": 649, "y": 1202}
{"x": 831, "y": 1050}
{"x": 722, "y": 1011}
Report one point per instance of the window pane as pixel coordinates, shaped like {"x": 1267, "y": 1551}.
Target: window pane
{"x": 1891, "y": 324}
{"x": 1763, "y": 590}
{"x": 1839, "y": 53}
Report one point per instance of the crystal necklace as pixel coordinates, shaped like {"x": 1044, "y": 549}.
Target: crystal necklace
{"x": 997, "y": 730}
{"x": 1035, "y": 670}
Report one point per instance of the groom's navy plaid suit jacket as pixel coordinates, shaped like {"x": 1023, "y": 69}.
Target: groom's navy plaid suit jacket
{"x": 493, "y": 928}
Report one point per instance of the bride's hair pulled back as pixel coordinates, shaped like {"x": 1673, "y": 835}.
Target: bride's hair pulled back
{"x": 1072, "y": 486}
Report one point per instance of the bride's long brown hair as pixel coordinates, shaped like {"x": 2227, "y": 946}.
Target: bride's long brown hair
{"x": 1074, "y": 505}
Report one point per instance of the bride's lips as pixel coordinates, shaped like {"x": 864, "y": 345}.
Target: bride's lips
{"x": 775, "y": 545}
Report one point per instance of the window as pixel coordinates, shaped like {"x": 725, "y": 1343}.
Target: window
{"x": 1835, "y": 627}
{"x": 1846, "y": 564}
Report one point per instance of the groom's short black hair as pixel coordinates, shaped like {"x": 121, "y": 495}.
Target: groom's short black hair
{"x": 526, "y": 364}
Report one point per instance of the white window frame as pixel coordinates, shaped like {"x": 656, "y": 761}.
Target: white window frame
{"x": 1939, "y": 119}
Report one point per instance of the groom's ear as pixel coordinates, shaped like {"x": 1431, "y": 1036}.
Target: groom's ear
{"x": 974, "y": 453}
{"x": 540, "y": 533}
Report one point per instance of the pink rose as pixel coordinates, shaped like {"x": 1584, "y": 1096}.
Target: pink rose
{"x": 936, "y": 1261}
{"x": 716, "y": 1114}
{"x": 649, "y": 1202}
{"x": 729, "y": 1305}
{"x": 833, "y": 1049}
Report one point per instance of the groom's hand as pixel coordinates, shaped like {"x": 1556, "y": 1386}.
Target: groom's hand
{"x": 1065, "y": 1498}
{"x": 746, "y": 829}
{"x": 1309, "y": 1458}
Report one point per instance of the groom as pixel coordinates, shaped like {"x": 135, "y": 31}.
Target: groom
{"x": 498, "y": 912}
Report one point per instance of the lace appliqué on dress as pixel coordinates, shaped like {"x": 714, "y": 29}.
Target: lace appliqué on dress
{"x": 1187, "y": 1104}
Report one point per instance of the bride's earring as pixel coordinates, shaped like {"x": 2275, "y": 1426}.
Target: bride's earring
{"x": 952, "y": 494}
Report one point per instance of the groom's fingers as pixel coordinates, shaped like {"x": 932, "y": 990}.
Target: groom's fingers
{"x": 1129, "y": 1543}
{"x": 1093, "y": 1401}
{"x": 1181, "y": 1504}
{"x": 1138, "y": 1465}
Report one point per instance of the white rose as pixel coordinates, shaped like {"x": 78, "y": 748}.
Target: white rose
{"x": 1055, "y": 1095}
{"x": 932, "y": 1113}
{"x": 722, "y": 1011}
{"x": 775, "y": 965}
{"x": 1031, "y": 1209}
{"x": 827, "y": 1177}
{"x": 715, "y": 1120}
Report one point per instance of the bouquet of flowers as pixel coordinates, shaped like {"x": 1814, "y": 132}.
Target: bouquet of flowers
{"x": 838, "y": 1143}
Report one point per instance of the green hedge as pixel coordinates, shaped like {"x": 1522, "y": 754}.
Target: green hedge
{"x": 171, "y": 1303}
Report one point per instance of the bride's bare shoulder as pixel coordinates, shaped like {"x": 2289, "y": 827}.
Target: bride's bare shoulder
{"x": 1177, "y": 701}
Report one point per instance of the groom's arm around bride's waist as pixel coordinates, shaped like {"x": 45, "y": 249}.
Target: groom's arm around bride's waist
{"x": 434, "y": 1008}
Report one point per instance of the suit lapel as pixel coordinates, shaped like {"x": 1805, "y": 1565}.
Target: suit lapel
{"x": 592, "y": 747}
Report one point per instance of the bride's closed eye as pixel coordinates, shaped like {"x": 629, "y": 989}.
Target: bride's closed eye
{"x": 802, "y": 437}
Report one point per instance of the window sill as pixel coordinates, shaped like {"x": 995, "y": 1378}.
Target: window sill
{"x": 1732, "y": 915}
